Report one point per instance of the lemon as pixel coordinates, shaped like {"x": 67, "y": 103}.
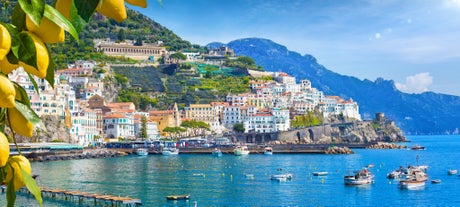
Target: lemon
{"x": 42, "y": 58}
{"x": 19, "y": 123}
{"x": 13, "y": 171}
{"x": 6, "y": 67}
{"x": 7, "y": 92}
{"x": 48, "y": 31}
{"x": 114, "y": 9}
{"x": 4, "y": 149}
{"x": 141, "y": 3}
{"x": 63, "y": 6}
{"x": 5, "y": 41}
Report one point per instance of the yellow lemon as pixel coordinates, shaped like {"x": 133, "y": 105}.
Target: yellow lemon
{"x": 13, "y": 171}
{"x": 42, "y": 58}
{"x": 63, "y": 6}
{"x": 114, "y": 9}
{"x": 141, "y": 3}
{"x": 7, "y": 92}
{"x": 48, "y": 31}
{"x": 5, "y": 41}
{"x": 19, "y": 123}
{"x": 6, "y": 67}
{"x": 4, "y": 149}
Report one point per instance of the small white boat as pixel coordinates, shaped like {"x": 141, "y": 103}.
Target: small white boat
{"x": 170, "y": 151}
{"x": 415, "y": 179}
{"x": 268, "y": 151}
{"x": 178, "y": 197}
{"x": 240, "y": 150}
{"x": 436, "y": 181}
{"x": 361, "y": 177}
{"x": 452, "y": 172}
{"x": 217, "y": 152}
{"x": 281, "y": 177}
{"x": 142, "y": 151}
{"x": 417, "y": 147}
{"x": 320, "y": 173}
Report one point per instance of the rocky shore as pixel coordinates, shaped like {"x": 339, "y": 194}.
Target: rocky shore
{"x": 339, "y": 150}
{"x": 386, "y": 145}
{"x": 85, "y": 154}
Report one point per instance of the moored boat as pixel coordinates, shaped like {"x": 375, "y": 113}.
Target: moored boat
{"x": 268, "y": 151}
{"x": 320, "y": 173}
{"x": 142, "y": 151}
{"x": 217, "y": 152}
{"x": 435, "y": 181}
{"x": 240, "y": 150}
{"x": 416, "y": 178}
{"x": 417, "y": 147}
{"x": 361, "y": 177}
{"x": 178, "y": 197}
{"x": 451, "y": 172}
{"x": 170, "y": 151}
{"x": 281, "y": 177}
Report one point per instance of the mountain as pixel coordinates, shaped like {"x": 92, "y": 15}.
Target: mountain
{"x": 426, "y": 113}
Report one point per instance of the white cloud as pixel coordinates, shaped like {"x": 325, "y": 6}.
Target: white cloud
{"x": 417, "y": 83}
{"x": 377, "y": 35}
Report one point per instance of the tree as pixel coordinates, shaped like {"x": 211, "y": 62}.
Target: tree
{"x": 143, "y": 129}
{"x": 121, "y": 37}
{"x": 238, "y": 127}
{"x": 179, "y": 56}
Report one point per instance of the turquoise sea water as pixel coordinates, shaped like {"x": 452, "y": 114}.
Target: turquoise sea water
{"x": 221, "y": 181}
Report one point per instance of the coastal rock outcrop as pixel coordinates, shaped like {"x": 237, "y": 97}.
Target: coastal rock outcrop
{"x": 339, "y": 150}
{"x": 386, "y": 145}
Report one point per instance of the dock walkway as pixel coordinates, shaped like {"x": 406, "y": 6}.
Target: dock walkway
{"x": 84, "y": 197}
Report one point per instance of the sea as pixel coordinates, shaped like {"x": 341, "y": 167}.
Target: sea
{"x": 245, "y": 180}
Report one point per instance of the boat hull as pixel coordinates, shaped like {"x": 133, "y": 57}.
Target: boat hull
{"x": 406, "y": 184}
{"x": 351, "y": 180}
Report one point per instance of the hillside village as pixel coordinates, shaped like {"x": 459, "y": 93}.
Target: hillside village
{"x": 78, "y": 100}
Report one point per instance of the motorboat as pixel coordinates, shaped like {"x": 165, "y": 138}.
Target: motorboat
{"x": 436, "y": 181}
{"x": 281, "y": 177}
{"x": 360, "y": 177}
{"x": 142, "y": 151}
{"x": 240, "y": 150}
{"x": 170, "y": 151}
{"x": 178, "y": 197}
{"x": 320, "y": 173}
{"x": 397, "y": 174}
{"x": 417, "y": 147}
{"x": 416, "y": 178}
{"x": 451, "y": 172}
{"x": 268, "y": 151}
{"x": 217, "y": 152}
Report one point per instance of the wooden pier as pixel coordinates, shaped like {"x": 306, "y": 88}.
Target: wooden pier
{"x": 84, "y": 197}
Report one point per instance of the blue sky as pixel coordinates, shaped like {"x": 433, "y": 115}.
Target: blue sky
{"x": 416, "y": 43}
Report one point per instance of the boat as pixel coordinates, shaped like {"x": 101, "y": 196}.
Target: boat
{"x": 178, "y": 197}
{"x": 416, "y": 178}
{"x": 397, "y": 174}
{"x": 217, "y": 152}
{"x": 435, "y": 181}
{"x": 360, "y": 177}
{"x": 240, "y": 150}
{"x": 452, "y": 172}
{"x": 320, "y": 173}
{"x": 268, "y": 151}
{"x": 417, "y": 147}
{"x": 170, "y": 151}
{"x": 142, "y": 151}
{"x": 281, "y": 177}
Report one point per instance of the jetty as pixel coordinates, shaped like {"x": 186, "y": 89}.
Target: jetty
{"x": 86, "y": 198}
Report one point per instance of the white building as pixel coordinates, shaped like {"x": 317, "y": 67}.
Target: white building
{"x": 282, "y": 120}
{"x": 118, "y": 125}
{"x": 84, "y": 127}
{"x": 260, "y": 123}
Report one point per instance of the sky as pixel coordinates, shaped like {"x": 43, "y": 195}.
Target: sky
{"x": 416, "y": 43}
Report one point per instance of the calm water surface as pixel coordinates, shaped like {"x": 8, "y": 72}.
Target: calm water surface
{"x": 221, "y": 181}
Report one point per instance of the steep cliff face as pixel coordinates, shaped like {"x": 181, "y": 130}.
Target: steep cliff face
{"x": 56, "y": 130}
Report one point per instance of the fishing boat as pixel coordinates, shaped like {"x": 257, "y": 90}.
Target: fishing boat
{"x": 416, "y": 178}
{"x": 320, "y": 173}
{"x": 170, "y": 151}
{"x": 268, "y": 151}
{"x": 417, "y": 147}
{"x": 397, "y": 174}
{"x": 217, "y": 152}
{"x": 240, "y": 150}
{"x": 451, "y": 172}
{"x": 178, "y": 197}
{"x": 360, "y": 177}
{"x": 281, "y": 177}
{"x": 142, "y": 152}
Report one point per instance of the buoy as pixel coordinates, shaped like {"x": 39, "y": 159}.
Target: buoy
{"x": 223, "y": 174}
{"x": 322, "y": 180}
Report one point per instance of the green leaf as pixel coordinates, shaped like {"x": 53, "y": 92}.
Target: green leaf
{"x": 10, "y": 194}
{"x": 32, "y": 186}
{"x": 55, "y": 16}
{"x": 30, "y": 115}
{"x": 27, "y": 52}
{"x": 18, "y": 17}
{"x": 77, "y": 21}
{"x": 86, "y": 8}
{"x": 32, "y": 79}
{"x": 50, "y": 71}
{"x": 34, "y": 9}
{"x": 23, "y": 94}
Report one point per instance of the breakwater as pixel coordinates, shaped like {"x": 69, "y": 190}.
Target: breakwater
{"x": 84, "y": 154}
